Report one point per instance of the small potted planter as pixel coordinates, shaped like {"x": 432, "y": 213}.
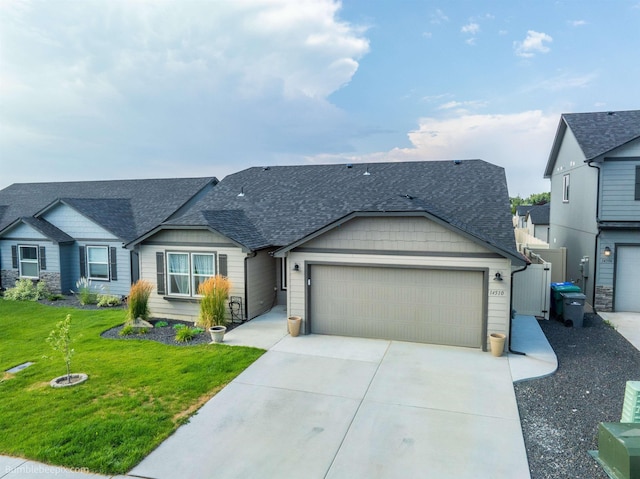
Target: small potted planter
{"x": 217, "y": 333}
{"x": 293, "y": 324}
{"x": 497, "y": 344}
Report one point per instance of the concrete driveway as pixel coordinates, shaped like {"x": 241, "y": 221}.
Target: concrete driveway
{"x": 627, "y": 324}
{"x": 335, "y": 407}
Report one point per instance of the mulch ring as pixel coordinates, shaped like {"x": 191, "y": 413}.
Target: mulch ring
{"x": 164, "y": 334}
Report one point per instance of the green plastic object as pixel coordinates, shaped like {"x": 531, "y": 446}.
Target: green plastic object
{"x": 631, "y": 405}
{"x": 619, "y": 449}
{"x": 557, "y": 289}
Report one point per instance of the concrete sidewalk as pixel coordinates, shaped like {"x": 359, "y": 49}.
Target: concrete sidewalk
{"x": 627, "y": 324}
{"x": 328, "y": 406}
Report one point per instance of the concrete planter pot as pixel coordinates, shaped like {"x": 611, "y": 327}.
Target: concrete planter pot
{"x": 67, "y": 381}
{"x": 497, "y": 344}
{"x": 217, "y": 333}
{"x": 293, "y": 324}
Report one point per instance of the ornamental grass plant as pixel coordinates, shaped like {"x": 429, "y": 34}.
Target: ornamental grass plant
{"x": 139, "y": 300}
{"x": 213, "y": 304}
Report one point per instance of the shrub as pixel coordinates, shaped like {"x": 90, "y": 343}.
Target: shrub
{"x": 139, "y": 300}
{"x": 213, "y": 304}
{"x": 108, "y": 300}
{"x": 25, "y": 290}
{"x": 161, "y": 324}
{"x": 55, "y": 297}
{"x": 86, "y": 291}
{"x": 185, "y": 333}
{"x": 127, "y": 330}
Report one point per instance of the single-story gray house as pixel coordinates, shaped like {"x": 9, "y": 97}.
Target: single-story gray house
{"x": 415, "y": 251}
{"x": 60, "y": 232}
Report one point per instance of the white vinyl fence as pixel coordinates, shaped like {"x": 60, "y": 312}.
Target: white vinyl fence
{"x": 531, "y": 290}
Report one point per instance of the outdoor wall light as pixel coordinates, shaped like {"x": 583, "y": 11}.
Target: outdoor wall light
{"x": 497, "y": 277}
{"x": 607, "y": 251}
{"x": 296, "y": 267}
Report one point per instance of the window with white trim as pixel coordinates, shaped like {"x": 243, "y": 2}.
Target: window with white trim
{"x": 186, "y": 271}
{"x": 98, "y": 262}
{"x": 565, "y": 189}
{"x": 28, "y": 259}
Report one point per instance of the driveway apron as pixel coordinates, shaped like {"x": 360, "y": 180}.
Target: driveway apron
{"x": 334, "y": 407}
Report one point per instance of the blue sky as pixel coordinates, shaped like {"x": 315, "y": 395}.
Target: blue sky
{"x": 134, "y": 89}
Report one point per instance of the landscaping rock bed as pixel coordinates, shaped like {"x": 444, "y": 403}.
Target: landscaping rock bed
{"x": 560, "y": 414}
{"x": 165, "y": 334}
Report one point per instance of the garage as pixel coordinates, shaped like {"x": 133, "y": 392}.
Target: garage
{"x": 437, "y": 306}
{"x": 627, "y": 278}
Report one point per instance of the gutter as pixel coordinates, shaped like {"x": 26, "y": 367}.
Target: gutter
{"x": 511, "y": 310}
{"x": 595, "y": 246}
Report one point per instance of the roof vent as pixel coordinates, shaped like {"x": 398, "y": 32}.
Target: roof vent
{"x": 457, "y": 162}
{"x": 366, "y": 173}
{"x": 266, "y": 168}
{"x": 241, "y": 194}
{"x": 409, "y": 197}
{"x": 349, "y": 165}
{"x": 610, "y": 113}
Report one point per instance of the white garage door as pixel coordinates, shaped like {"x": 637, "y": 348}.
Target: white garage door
{"x": 627, "y": 292}
{"x": 406, "y": 304}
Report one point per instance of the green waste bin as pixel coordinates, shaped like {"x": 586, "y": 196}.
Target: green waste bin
{"x": 557, "y": 290}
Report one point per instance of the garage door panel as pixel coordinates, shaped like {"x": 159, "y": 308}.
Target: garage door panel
{"x": 627, "y": 297}
{"x": 407, "y": 304}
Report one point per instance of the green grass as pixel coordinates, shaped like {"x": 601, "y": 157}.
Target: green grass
{"x": 137, "y": 394}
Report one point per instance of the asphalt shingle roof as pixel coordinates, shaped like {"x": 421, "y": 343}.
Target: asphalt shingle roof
{"x": 539, "y": 215}
{"x": 600, "y": 132}
{"x": 283, "y": 204}
{"x": 127, "y": 208}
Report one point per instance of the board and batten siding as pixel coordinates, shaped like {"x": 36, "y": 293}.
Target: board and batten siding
{"x": 402, "y": 242}
{"x": 188, "y": 241}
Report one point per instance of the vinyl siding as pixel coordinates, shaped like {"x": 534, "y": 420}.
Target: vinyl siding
{"x": 23, "y": 232}
{"x": 439, "y": 240}
{"x": 610, "y": 239}
{"x": 261, "y": 283}
{"x": 75, "y": 225}
{"x": 194, "y": 241}
{"x": 618, "y": 179}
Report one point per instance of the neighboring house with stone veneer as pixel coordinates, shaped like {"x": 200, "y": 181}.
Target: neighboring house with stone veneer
{"x": 59, "y": 232}
{"x": 594, "y": 167}
{"x": 413, "y": 251}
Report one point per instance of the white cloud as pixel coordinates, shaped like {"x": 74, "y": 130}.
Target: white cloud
{"x": 471, "y": 28}
{"x": 439, "y": 17}
{"x": 519, "y": 142}
{"x": 462, "y": 107}
{"x": 131, "y": 85}
{"x": 535, "y": 42}
{"x": 577, "y": 23}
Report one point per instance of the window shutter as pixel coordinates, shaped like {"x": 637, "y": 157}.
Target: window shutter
{"x": 113, "y": 260}
{"x": 14, "y": 256}
{"x": 160, "y": 272}
{"x": 43, "y": 258}
{"x": 222, "y": 265}
{"x": 83, "y": 262}
{"x": 637, "y": 193}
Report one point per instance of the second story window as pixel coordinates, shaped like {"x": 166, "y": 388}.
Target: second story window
{"x": 637, "y": 193}
{"x": 565, "y": 189}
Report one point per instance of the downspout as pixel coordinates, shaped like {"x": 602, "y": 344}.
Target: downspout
{"x": 511, "y": 310}
{"x": 595, "y": 246}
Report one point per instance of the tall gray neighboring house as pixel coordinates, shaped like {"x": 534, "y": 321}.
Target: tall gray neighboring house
{"x": 59, "y": 232}
{"x": 415, "y": 251}
{"x": 594, "y": 167}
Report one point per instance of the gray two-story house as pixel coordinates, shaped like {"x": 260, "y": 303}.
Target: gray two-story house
{"x": 594, "y": 167}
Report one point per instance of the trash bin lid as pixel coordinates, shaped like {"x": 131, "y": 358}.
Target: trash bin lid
{"x": 573, "y": 296}
{"x": 567, "y": 288}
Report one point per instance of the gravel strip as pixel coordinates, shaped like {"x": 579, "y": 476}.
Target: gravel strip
{"x": 560, "y": 414}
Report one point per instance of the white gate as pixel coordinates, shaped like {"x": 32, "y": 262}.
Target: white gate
{"x": 531, "y": 290}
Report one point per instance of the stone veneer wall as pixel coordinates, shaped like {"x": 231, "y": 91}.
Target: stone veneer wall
{"x": 8, "y": 277}
{"x": 604, "y": 298}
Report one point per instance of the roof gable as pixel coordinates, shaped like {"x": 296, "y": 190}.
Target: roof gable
{"x": 127, "y": 208}
{"x": 597, "y": 133}
{"x": 539, "y": 214}
{"x": 283, "y": 204}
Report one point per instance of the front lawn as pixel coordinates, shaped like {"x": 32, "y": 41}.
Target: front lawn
{"x": 137, "y": 394}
